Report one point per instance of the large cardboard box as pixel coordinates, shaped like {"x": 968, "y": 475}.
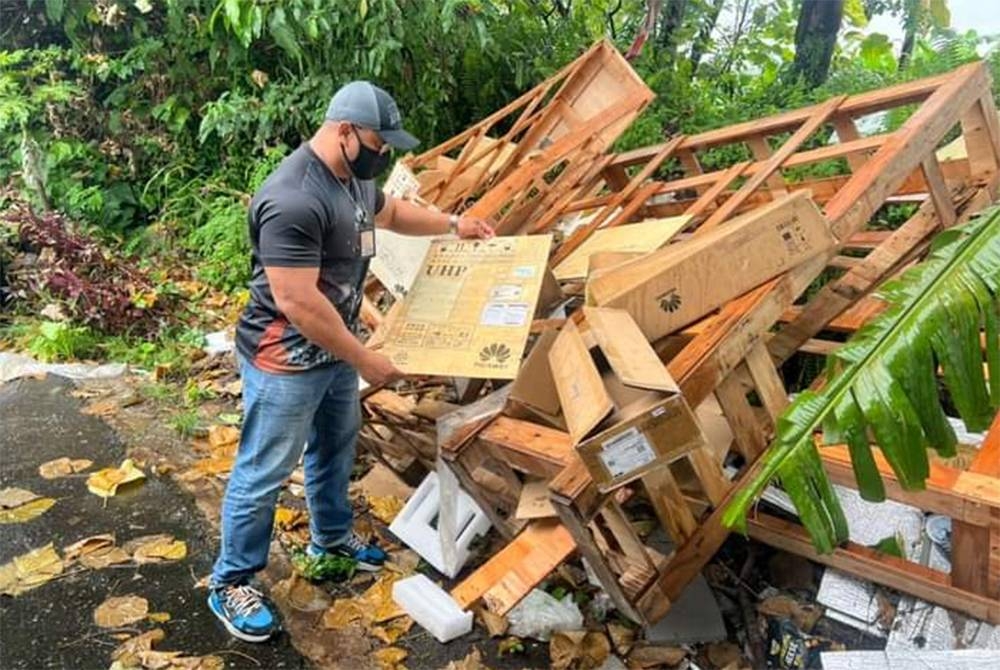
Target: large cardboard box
{"x": 469, "y": 311}
{"x": 675, "y": 286}
{"x": 624, "y": 412}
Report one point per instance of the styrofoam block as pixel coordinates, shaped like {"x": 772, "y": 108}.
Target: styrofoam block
{"x": 431, "y": 607}
{"x": 420, "y": 525}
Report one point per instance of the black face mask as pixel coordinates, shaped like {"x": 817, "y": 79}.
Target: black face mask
{"x": 369, "y": 163}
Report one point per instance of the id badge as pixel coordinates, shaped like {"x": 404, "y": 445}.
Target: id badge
{"x": 367, "y": 243}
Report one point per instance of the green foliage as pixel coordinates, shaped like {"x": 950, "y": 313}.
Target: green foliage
{"x": 54, "y": 341}
{"x": 883, "y": 380}
{"x": 323, "y": 568}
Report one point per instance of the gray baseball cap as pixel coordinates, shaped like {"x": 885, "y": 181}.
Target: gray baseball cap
{"x": 365, "y": 104}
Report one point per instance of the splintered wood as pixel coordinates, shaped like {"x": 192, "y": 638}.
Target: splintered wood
{"x": 696, "y": 289}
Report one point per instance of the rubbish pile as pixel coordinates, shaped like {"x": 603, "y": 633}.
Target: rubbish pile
{"x": 599, "y": 379}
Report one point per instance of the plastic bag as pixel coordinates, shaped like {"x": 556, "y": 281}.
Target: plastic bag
{"x": 539, "y": 615}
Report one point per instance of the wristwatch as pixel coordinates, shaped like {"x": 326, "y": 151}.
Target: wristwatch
{"x": 453, "y": 224}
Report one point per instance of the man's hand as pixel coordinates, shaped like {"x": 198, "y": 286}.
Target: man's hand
{"x": 377, "y": 369}
{"x": 472, "y": 227}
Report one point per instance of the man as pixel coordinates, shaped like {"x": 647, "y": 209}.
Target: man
{"x": 312, "y": 231}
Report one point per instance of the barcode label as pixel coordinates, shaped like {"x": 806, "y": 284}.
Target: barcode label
{"x": 627, "y": 451}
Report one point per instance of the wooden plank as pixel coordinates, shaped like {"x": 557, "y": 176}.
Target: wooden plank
{"x": 975, "y": 563}
{"x": 511, "y": 573}
{"x": 762, "y": 152}
{"x": 576, "y": 525}
{"x": 940, "y": 195}
{"x": 669, "y": 504}
{"x": 811, "y": 125}
{"x": 982, "y": 137}
{"x": 870, "y": 565}
{"x": 966, "y": 496}
{"x": 747, "y": 431}
{"x": 848, "y": 132}
{"x": 529, "y": 447}
{"x": 769, "y": 386}
{"x": 709, "y": 197}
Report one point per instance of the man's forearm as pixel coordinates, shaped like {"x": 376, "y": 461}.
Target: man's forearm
{"x": 320, "y": 322}
{"x": 411, "y": 219}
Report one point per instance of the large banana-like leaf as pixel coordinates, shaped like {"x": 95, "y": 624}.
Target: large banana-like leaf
{"x": 883, "y": 384}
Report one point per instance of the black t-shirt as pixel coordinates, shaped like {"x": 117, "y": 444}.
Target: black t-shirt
{"x": 304, "y": 216}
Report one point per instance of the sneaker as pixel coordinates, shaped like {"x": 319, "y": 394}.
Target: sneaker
{"x": 244, "y": 611}
{"x": 367, "y": 557}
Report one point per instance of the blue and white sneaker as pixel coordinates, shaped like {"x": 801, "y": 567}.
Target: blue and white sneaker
{"x": 367, "y": 556}
{"x": 244, "y": 611}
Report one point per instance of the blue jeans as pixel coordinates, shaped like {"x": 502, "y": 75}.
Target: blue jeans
{"x": 317, "y": 408}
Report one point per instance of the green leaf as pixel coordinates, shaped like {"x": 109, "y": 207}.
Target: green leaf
{"x": 854, "y": 12}
{"x": 891, "y": 545}
{"x": 940, "y": 13}
{"x": 883, "y": 382}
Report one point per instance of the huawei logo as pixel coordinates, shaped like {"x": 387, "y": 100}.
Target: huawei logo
{"x": 494, "y": 353}
{"x": 670, "y": 301}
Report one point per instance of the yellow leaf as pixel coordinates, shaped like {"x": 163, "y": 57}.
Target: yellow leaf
{"x": 13, "y": 497}
{"x": 390, "y": 658}
{"x": 88, "y": 545}
{"x": 220, "y": 435}
{"x": 62, "y": 467}
{"x": 342, "y": 613}
{"x": 105, "y": 483}
{"x": 27, "y": 511}
{"x": 121, "y": 611}
{"x": 287, "y": 518}
{"x": 105, "y": 557}
{"x": 160, "y": 550}
{"x": 30, "y": 570}
{"x": 385, "y": 508}
{"x": 101, "y": 408}
{"x": 377, "y": 600}
{"x": 393, "y": 630}
{"x": 134, "y": 645}
{"x": 159, "y": 617}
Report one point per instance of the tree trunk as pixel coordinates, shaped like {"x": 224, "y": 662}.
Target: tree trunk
{"x": 815, "y": 38}
{"x": 673, "y": 19}
{"x": 911, "y": 23}
{"x": 704, "y": 37}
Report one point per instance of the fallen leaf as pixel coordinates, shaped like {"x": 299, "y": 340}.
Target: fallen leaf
{"x": 288, "y": 518}
{"x": 342, "y": 613}
{"x": 510, "y": 645}
{"x": 495, "y": 624}
{"x": 578, "y": 648}
{"x": 121, "y": 611}
{"x": 216, "y": 465}
{"x": 63, "y": 467}
{"x": 105, "y": 557}
{"x": 473, "y": 661}
{"x": 722, "y": 654}
{"x": 30, "y": 570}
{"x": 103, "y": 408}
{"x": 87, "y": 545}
{"x": 393, "y": 630}
{"x": 14, "y": 497}
{"x": 133, "y": 545}
{"x": 653, "y": 656}
{"x": 622, "y": 638}
{"x": 160, "y": 550}
{"x": 105, "y": 483}
{"x": 403, "y": 561}
{"x": 302, "y": 594}
{"x": 27, "y": 511}
{"x": 886, "y": 609}
{"x": 377, "y": 600}
{"x": 233, "y": 388}
{"x": 230, "y": 419}
{"x": 133, "y": 645}
{"x": 221, "y": 435}
{"x": 385, "y": 508}
{"x": 159, "y": 617}
{"x": 390, "y": 658}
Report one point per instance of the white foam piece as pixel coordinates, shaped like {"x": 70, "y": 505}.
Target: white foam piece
{"x": 431, "y": 607}
{"x": 442, "y": 537}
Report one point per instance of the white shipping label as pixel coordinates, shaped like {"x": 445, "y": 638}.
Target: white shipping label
{"x": 504, "y": 314}
{"x": 627, "y": 451}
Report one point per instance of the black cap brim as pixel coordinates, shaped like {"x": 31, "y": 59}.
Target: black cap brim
{"x": 399, "y": 139}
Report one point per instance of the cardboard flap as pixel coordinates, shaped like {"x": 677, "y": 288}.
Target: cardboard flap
{"x": 534, "y": 385}
{"x": 627, "y": 351}
{"x": 585, "y": 402}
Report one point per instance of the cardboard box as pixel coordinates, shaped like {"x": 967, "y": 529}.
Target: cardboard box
{"x": 642, "y": 237}
{"x": 624, "y": 412}
{"x": 469, "y": 311}
{"x": 533, "y": 395}
{"x": 675, "y": 286}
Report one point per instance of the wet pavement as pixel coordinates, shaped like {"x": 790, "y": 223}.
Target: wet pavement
{"x": 52, "y": 626}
